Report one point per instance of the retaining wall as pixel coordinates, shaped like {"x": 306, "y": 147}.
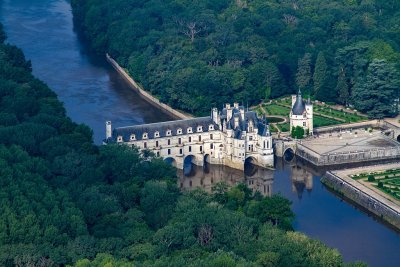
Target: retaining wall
{"x": 362, "y": 198}
{"x": 146, "y": 95}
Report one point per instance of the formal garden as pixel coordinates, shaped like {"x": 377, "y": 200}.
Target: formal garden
{"x": 387, "y": 181}
{"x": 324, "y": 114}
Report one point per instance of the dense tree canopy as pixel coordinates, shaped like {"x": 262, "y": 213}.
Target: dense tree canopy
{"x": 198, "y": 54}
{"x": 64, "y": 200}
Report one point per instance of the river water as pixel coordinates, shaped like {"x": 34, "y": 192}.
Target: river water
{"x": 92, "y": 93}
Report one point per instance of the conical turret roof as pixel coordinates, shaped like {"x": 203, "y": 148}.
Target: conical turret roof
{"x": 299, "y": 106}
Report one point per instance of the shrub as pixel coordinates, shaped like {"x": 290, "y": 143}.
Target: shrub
{"x": 380, "y": 184}
{"x": 371, "y": 178}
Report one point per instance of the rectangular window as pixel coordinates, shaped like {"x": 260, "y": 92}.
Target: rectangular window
{"x": 145, "y": 145}
{"x": 180, "y": 151}
{"x": 201, "y": 148}
{"x": 190, "y": 149}
{"x": 304, "y": 123}
{"x": 156, "y": 143}
{"x": 211, "y": 136}
{"x": 158, "y": 153}
{"x": 199, "y": 138}
{"x": 250, "y": 138}
{"x": 211, "y": 146}
{"x": 179, "y": 140}
{"x": 169, "y": 141}
{"x": 190, "y": 139}
{"x": 169, "y": 151}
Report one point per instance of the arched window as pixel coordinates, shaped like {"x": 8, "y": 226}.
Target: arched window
{"x": 199, "y": 128}
{"x": 133, "y": 137}
{"x": 190, "y": 130}
{"x": 156, "y": 134}
{"x": 211, "y": 127}
{"x": 119, "y": 139}
{"x": 169, "y": 132}
{"x": 145, "y": 135}
{"x": 179, "y": 131}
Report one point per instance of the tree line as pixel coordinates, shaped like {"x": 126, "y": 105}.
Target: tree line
{"x": 195, "y": 55}
{"x": 67, "y": 202}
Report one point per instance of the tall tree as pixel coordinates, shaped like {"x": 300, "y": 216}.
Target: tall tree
{"x": 376, "y": 94}
{"x": 320, "y": 72}
{"x": 342, "y": 88}
{"x": 303, "y": 75}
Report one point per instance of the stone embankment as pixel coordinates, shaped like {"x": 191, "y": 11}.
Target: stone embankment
{"x": 146, "y": 95}
{"x": 363, "y": 196}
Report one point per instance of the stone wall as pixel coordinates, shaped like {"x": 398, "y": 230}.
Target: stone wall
{"x": 146, "y": 95}
{"x": 347, "y": 157}
{"x": 368, "y": 202}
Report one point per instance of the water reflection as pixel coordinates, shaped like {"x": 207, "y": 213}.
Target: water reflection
{"x": 205, "y": 177}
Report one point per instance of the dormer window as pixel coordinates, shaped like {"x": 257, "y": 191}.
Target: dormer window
{"x": 145, "y": 135}
{"x": 119, "y": 139}
{"x": 199, "y": 128}
{"x": 211, "y": 127}
{"x": 190, "y": 130}
{"x": 133, "y": 137}
{"x": 169, "y": 132}
{"x": 179, "y": 131}
{"x": 156, "y": 134}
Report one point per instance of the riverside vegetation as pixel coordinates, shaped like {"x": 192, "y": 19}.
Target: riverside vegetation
{"x": 65, "y": 201}
{"x": 344, "y": 51}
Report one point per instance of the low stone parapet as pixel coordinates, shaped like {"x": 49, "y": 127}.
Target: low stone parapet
{"x": 364, "y": 197}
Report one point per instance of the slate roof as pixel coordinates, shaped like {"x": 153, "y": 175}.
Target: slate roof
{"x": 162, "y": 128}
{"x": 205, "y": 122}
{"x": 299, "y": 106}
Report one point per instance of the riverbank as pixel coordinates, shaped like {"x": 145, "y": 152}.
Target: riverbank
{"x": 146, "y": 95}
{"x": 372, "y": 200}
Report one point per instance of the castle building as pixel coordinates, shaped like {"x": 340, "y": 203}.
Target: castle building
{"x": 301, "y": 114}
{"x": 230, "y": 137}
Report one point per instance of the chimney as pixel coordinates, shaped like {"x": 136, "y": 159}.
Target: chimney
{"x": 236, "y": 122}
{"x": 108, "y": 129}
{"x": 242, "y": 113}
{"x": 228, "y": 112}
{"x": 214, "y": 115}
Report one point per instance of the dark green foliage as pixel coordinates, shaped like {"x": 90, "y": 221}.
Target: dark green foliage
{"x": 64, "y": 200}
{"x": 297, "y": 132}
{"x": 376, "y": 94}
{"x": 371, "y": 178}
{"x": 195, "y": 55}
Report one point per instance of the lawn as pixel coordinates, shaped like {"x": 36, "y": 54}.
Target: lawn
{"x": 274, "y": 109}
{"x": 320, "y": 121}
{"x": 342, "y": 115}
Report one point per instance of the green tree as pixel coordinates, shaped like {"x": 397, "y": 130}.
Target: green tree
{"x": 320, "y": 73}
{"x": 303, "y": 75}
{"x": 342, "y": 88}
{"x": 377, "y": 92}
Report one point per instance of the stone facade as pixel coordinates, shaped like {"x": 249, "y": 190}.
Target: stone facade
{"x": 229, "y": 137}
{"x": 343, "y": 186}
{"x": 301, "y": 114}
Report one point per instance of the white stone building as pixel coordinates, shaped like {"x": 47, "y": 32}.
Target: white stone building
{"x": 301, "y": 114}
{"x": 230, "y": 137}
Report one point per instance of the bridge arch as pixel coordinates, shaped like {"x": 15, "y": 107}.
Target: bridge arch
{"x": 398, "y": 138}
{"x": 250, "y": 166}
{"x": 207, "y": 158}
{"x": 171, "y": 161}
{"x": 189, "y": 159}
{"x": 288, "y": 154}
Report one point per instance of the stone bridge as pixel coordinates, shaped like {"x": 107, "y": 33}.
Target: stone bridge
{"x": 284, "y": 145}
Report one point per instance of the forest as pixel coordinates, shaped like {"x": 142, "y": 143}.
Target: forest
{"x": 195, "y": 55}
{"x": 67, "y": 202}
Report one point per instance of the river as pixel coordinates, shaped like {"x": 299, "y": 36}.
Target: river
{"x": 92, "y": 93}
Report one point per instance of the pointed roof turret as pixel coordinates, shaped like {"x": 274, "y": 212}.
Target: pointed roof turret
{"x": 298, "y": 107}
